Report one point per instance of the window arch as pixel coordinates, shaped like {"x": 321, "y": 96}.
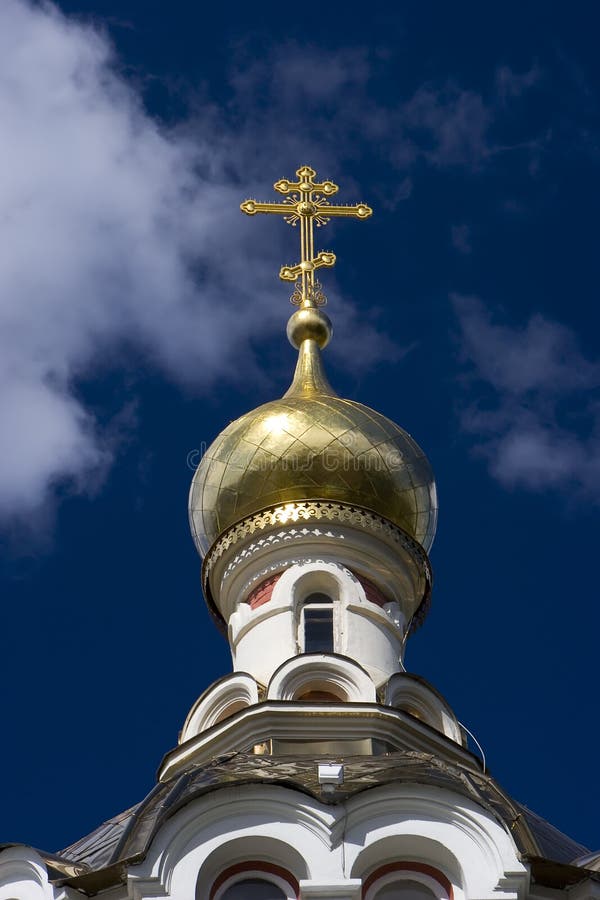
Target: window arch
{"x": 407, "y": 881}
{"x": 255, "y": 881}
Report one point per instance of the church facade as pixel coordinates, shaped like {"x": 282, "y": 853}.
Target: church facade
{"x": 320, "y": 767}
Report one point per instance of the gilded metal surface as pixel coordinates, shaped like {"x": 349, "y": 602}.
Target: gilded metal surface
{"x": 309, "y": 324}
{"x": 309, "y": 376}
{"x": 306, "y": 202}
{"x": 312, "y": 445}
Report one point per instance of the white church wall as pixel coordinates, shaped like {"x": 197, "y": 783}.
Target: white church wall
{"x": 23, "y": 876}
{"x": 263, "y": 638}
{"x": 438, "y": 827}
{"x": 372, "y": 637}
{"x": 233, "y": 825}
{"x": 266, "y": 639}
{"x": 331, "y": 850}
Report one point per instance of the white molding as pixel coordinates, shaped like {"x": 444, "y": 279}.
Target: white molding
{"x": 346, "y": 889}
{"x": 388, "y": 564}
{"x": 233, "y": 824}
{"x": 321, "y": 671}
{"x": 23, "y": 875}
{"x": 404, "y": 691}
{"x": 140, "y": 888}
{"x": 228, "y": 694}
{"x": 330, "y": 850}
{"x": 314, "y": 722}
{"x": 425, "y": 823}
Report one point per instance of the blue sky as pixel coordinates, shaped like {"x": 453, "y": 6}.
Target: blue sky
{"x": 141, "y": 312}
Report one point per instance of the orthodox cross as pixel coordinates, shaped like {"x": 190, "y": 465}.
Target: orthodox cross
{"x": 306, "y": 202}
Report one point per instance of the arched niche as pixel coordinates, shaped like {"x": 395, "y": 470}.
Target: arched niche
{"x": 408, "y": 858}
{"x": 254, "y": 880}
{"x": 251, "y": 857}
{"x": 324, "y": 674}
{"x": 407, "y": 880}
{"x": 437, "y": 827}
{"x": 224, "y": 698}
{"x": 414, "y": 696}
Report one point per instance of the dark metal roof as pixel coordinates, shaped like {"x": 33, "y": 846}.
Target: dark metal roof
{"x": 553, "y": 843}
{"x": 98, "y": 848}
{"x": 100, "y": 858}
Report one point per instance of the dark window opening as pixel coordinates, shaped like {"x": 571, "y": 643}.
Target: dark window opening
{"x": 405, "y": 890}
{"x": 318, "y": 624}
{"x": 318, "y": 697}
{"x": 253, "y": 889}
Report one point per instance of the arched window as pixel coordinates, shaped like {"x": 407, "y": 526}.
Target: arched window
{"x": 407, "y": 881}
{"x": 255, "y": 881}
{"x": 316, "y": 624}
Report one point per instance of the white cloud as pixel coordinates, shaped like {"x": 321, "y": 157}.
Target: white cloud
{"x": 117, "y": 232}
{"x": 104, "y": 225}
{"x": 44, "y": 432}
{"x": 533, "y": 407}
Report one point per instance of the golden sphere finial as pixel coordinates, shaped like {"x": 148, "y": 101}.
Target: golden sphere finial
{"x": 309, "y": 323}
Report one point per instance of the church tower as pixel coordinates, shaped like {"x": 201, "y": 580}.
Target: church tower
{"x": 320, "y": 767}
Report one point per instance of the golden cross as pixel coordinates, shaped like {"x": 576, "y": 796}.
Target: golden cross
{"x": 306, "y": 202}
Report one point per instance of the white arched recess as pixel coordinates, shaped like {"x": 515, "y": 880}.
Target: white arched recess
{"x": 327, "y": 672}
{"x": 233, "y": 825}
{"x": 331, "y": 850}
{"x": 445, "y": 830}
{"x": 412, "y": 694}
{"x": 222, "y": 699}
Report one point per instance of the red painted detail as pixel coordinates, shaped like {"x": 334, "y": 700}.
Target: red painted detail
{"x": 262, "y": 593}
{"x": 255, "y": 866}
{"x": 372, "y": 591}
{"x": 409, "y": 867}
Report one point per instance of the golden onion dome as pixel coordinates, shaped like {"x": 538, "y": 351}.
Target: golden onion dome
{"x": 312, "y": 445}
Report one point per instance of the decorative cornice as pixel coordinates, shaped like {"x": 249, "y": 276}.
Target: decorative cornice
{"x": 317, "y": 511}
{"x": 311, "y": 510}
{"x": 282, "y": 720}
{"x": 275, "y": 539}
